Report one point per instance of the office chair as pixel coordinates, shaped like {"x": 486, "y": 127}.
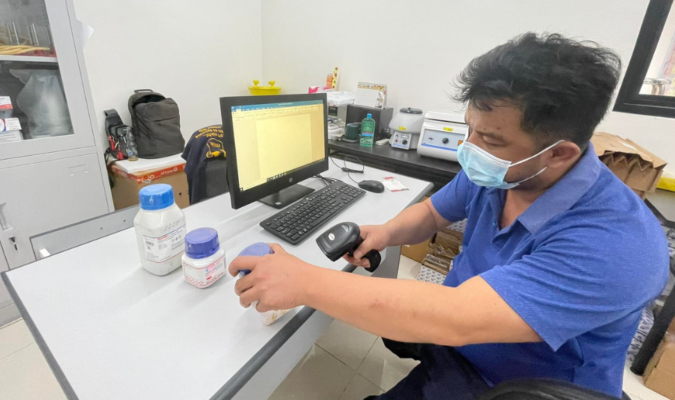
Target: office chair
{"x": 206, "y": 164}
{"x": 544, "y": 389}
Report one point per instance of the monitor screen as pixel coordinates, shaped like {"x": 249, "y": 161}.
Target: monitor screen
{"x": 274, "y": 140}
{"x": 272, "y": 144}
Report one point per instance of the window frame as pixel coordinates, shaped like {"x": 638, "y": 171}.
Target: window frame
{"x": 629, "y": 99}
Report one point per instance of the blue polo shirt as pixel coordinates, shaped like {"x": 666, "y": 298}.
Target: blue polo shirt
{"x": 578, "y": 266}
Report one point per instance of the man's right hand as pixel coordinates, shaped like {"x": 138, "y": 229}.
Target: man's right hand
{"x": 375, "y": 237}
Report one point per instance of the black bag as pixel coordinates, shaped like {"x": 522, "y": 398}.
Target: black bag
{"x": 156, "y": 124}
{"x": 121, "y": 142}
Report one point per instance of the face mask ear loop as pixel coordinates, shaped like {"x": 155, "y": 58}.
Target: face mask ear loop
{"x": 527, "y": 179}
{"x": 538, "y": 154}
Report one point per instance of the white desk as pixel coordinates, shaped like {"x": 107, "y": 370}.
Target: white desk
{"x": 111, "y": 330}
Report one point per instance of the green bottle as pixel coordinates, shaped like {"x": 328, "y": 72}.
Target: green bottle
{"x": 367, "y": 131}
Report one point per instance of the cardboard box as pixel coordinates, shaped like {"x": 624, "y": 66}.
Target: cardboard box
{"x": 416, "y": 252}
{"x": 639, "y": 169}
{"x": 126, "y": 185}
{"x": 438, "y": 252}
{"x": 444, "y": 248}
{"x": 660, "y": 373}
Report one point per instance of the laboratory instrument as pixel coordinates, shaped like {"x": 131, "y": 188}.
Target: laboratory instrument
{"x": 441, "y": 135}
{"x": 405, "y": 128}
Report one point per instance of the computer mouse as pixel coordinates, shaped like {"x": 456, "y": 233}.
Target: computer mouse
{"x": 372, "y": 186}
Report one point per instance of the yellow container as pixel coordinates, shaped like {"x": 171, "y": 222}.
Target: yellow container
{"x": 667, "y": 182}
{"x": 264, "y": 90}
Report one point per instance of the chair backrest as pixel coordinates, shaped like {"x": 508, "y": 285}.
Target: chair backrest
{"x": 206, "y": 164}
{"x": 68, "y": 237}
{"x": 216, "y": 178}
{"x": 543, "y": 389}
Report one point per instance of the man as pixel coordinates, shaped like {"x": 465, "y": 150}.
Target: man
{"x": 559, "y": 258}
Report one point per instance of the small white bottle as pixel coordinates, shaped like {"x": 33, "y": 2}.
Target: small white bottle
{"x": 261, "y": 250}
{"x": 160, "y": 230}
{"x": 204, "y": 260}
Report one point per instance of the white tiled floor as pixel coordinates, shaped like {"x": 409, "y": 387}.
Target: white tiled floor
{"x": 24, "y": 373}
{"x": 344, "y": 364}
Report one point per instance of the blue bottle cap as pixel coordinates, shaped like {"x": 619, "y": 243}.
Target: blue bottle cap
{"x": 201, "y": 243}
{"x": 256, "y": 249}
{"x": 156, "y": 197}
{"x": 369, "y": 115}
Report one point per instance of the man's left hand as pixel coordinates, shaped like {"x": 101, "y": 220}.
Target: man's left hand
{"x": 277, "y": 281}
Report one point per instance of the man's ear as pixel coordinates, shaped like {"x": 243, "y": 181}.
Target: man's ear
{"x": 563, "y": 154}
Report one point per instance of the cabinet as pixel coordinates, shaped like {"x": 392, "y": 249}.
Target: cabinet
{"x": 53, "y": 194}
{"x": 45, "y": 87}
{"x": 52, "y": 170}
{"x": 5, "y": 300}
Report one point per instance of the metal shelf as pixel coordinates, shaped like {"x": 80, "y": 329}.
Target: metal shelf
{"x": 33, "y": 59}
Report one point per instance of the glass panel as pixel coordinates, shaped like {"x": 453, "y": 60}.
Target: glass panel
{"x": 660, "y": 79}
{"x": 32, "y": 101}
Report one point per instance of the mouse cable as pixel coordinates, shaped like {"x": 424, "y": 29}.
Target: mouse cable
{"x": 349, "y": 170}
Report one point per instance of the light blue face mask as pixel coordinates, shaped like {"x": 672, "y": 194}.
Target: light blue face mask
{"x": 484, "y": 169}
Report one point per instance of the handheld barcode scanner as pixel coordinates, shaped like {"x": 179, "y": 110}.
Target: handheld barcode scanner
{"x": 345, "y": 238}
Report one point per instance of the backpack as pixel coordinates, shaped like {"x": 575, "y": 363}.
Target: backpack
{"x": 156, "y": 124}
{"x": 121, "y": 144}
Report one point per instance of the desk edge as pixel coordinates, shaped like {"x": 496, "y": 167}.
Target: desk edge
{"x": 53, "y": 364}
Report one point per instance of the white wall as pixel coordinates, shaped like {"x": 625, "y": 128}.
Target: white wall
{"x": 193, "y": 52}
{"x": 417, "y": 48}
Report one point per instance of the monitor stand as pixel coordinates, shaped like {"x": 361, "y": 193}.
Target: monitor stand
{"x": 287, "y": 196}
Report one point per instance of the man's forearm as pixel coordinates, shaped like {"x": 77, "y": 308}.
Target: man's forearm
{"x": 407, "y": 311}
{"x": 413, "y": 225}
{"x": 412, "y": 311}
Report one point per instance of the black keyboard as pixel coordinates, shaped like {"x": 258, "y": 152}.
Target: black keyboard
{"x": 299, "y": 221}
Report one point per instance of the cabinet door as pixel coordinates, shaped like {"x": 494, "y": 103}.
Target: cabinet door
{"x": 40, "y": 80}
{"x": 37, "y": 198}
{"x": 5, "y": 299}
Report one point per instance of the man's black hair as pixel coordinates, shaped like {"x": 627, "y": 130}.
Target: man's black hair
{"x": 562, "y": 86}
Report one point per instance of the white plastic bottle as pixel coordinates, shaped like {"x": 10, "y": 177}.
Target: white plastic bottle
{"x": 204, "y": 259}
{"x": 160, "y": 230}
{"x": 260, "y": 250}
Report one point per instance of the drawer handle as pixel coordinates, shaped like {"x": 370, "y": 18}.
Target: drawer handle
{"x": 13, "y": 240}
{"x": 4, "y": 225}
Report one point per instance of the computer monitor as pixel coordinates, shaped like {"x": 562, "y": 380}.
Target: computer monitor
{"x": 271, "y": 144}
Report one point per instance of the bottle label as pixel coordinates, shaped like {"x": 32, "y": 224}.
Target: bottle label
{"x": 165, "y": 247}
{"x": 204, "y": 276}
